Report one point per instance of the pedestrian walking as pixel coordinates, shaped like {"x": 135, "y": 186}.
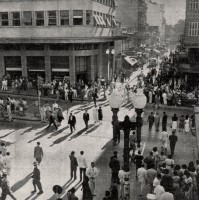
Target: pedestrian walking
{"x": 164, "y": 121}
{"x": 94, "y": 95}
{"x": 8, "y": 107}
{"x": 7, "y": 163}
{"x": 121, "y": 179}
{"x": 164, "y": 140}
{"x": 187, "y": 124}
{"x": 60, "y": 116}
{"x": 173, "y": 139}
{"x": 100, "y": 114}
{"x": 138, "y": 159}
{"x": 157, "y": 121}
{"x": 52, "y": 120}
{"x": 174, "y": 123}
{"x": 82, "y": 165}
{"x": 72, "y": 122}
{"x": 151, "y": 120}
{"x": 92, "y": 173}
{"x": 36, "y": 179}
{"x": 181, "y": 123}
{"x": 149, "y": 160}
{"x": 43, "y": 114}
{"x": 95, "y": 114}
{"x": 6, "y": 190}
{"x": 70, "y": 95}
{"x": 114, "y": 165}
{"x": 73, "y": 165}
{"x": 132, "y": 142}
{"x": 38, "y": 153}
{"x": 87, "y": 195}
{"x": 151, "y": 174}
{"x": 86, "y": 119}
{"x": 142, "y": 178}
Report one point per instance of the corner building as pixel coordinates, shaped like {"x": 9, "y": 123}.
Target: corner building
{"x": 56, "y": 38}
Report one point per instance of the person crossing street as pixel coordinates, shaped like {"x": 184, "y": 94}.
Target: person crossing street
{"x": 86, "y": 119}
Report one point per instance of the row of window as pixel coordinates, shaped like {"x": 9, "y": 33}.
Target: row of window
{"x": 193, "y": 29}
{"x": 193, "y": 4}
{"x": 107, "y": 2}
{"x": 55, "y": 18}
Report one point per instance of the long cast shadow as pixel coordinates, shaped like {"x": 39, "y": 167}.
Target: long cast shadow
{"x": 29, "y": 196}
{"x": 45, "y": 132}
{"x": 8, "y": 134}
{"x": 60, "y": 140}
{"x": 58, "y": 132}
{"x": 21, "y": 183}
{"x": 93, "y": 128}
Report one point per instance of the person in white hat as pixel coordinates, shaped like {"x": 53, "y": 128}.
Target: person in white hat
{"x": 36, "y": 179}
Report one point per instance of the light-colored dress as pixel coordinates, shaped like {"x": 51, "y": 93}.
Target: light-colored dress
{"x": 95, "y": 114}
{"x": 164, "y": 139}
{"x": 186, "y": 126}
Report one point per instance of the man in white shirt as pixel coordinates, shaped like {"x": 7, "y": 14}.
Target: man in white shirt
{"x": 142, "y": 178}
{"x": 55, "y": 105}
{"x": 92, "y": 174}
{"x": 167, "y": 196}
{"x": 82, "y": 163}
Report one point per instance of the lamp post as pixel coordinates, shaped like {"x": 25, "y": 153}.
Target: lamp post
{"x": 108, "y": 52}
{"x": 139, "y": 102}
{"x": 115, "y": 101}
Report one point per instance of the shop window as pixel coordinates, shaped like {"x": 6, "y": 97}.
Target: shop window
{"x": 82, "y": 63}
{"x": 88, "y": 17}
{"x": 59, "y": 62}
{"x": 36, "y": 62}
{"x": 78, "y": 17}
{"x": 4, "y": 19}
{"x": 11, "y": 47}
{"x": 64, "y": 17}
{"x": 27, "y": 18}
{"x": 34, "y": 47}
{"x": 12, "y": 62}
{"x": 52, "y": 18}
{"x": 39, "y": 18}
{"x": 15, "y": 18}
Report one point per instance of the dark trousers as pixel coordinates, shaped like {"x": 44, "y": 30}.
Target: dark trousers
{"x": 172, "y": 147}
{"x": 164, "y": 126}
{"x": 86, "y": 123}
{"x": 72, "y": 126}
{"x": 73, "y": 171}
{"x": 38, "y": 184}
{"x": 82, "y": 171}
{"x": 38, "y": 160}
{"x": 150, "y": 126}
{"x": 52, "y": 122}
{"x": 94, "y": 100}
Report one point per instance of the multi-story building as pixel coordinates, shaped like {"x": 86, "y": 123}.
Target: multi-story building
{"x": 56, "y": 38}
{"x": 191, "y": 39}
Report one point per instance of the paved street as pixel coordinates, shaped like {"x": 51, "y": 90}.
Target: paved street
{"x": 96, "y": 143}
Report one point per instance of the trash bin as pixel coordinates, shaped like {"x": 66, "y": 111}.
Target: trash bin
{"x": 151, "y": 197}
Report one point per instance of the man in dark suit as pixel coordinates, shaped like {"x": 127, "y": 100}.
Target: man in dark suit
{"x": 72, "y": 122}
{"x": 52, "y": 120}
{"x": 70, "y": 95}
{"x": 38, "y": 153}
{"x": 73, "y": 165}
{"x": 86, "y": 118}
{"x": 164, "y": 121}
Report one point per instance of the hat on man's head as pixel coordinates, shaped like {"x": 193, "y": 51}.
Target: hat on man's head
{"x": 35, "y": 163}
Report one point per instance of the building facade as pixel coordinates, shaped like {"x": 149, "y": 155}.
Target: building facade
{"x": 56, "y": 38}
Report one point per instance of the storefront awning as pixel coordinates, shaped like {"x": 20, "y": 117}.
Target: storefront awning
{"x": 97, "y": 20}
{"x": 132, "y": 61}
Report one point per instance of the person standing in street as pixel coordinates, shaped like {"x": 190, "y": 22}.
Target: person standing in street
{"x": 115, "y": 167}
{"x": 92, "y": 173}
{"x": 164, "y": 121}
{"x": 36, "y": 179}
{"x": 82, "y": 165}
{"x": 6, "y": 190}
{"x": 157, "y": 121}
{"x": 86, "y": 119}
{"x": 72, "y": 122}
{"x": 142, "y": 178}
{"x": 151, "y": 120}
{"x": 138, "y": 159}
{"x": 100, "y": 115}
{"x": 151, "y": 174}
{"x": 174, "y": 123}
{"x": 52, "y": 120}
{"x": 73, "y": 165}
{"x": 43, "y": 114}
{"x": 7, "y": 162}
{"x": 8, "y": 107}
{"x": 38, "y": 153}
{"x": 173, "y": 139}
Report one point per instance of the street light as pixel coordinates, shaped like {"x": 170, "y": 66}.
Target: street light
{"x": 115, "y": 101}
{"x": 108, "y": 52}
{"x": 139, "y": 102}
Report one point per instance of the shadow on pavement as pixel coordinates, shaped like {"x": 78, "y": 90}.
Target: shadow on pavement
{"x": 61, "y": 139}
{"x": 93, "y": 128}
{"x": 44, "y": 131}
{"x": 58, "y": 132}
{"x": 21, "y": 183}
{"x": 8, "y": 134}
{"x": 29, "y": 196}
{"x": 35, "y": 197}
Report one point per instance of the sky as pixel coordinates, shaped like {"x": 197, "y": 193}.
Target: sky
{"x": 174, "y": 10}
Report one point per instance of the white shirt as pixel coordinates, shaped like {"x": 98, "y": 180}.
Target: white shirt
{"x": 92, "y": 172}
{"x": 158, "y": 191}
{"x": 156, "y": 182}
{"x": 142, "y": 174}
{"x": 55, "y": 105}
{"x": 167, "y": 196}
{"x": 82, "y": 163}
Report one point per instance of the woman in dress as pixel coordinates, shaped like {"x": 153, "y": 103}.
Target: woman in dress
{"x": 181, "y": 124}
{"x": 100, "y": 115}
{"x": 174, "y": 122}
{"x": 87, "y": 195}
{"x": 95, "y": 114}
{"x": 186, "y": 124}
